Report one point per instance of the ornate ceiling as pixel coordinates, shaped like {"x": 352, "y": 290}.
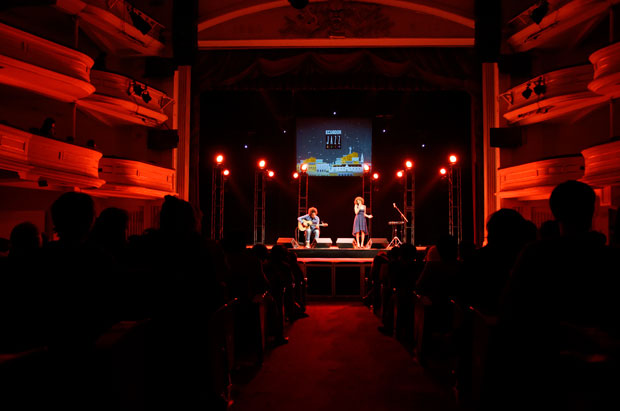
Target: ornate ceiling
{"x": 335, "y": 23}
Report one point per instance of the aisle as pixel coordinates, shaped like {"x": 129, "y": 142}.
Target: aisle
{"x": 337, "y": 360}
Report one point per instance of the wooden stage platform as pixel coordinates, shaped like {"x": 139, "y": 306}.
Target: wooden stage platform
{"x": 337, "y": 273}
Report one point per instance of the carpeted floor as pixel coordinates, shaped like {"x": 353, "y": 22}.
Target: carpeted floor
{"x": 337, "y": 360}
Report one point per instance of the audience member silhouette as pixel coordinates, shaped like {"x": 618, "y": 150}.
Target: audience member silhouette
{"x": 48, "y": 129}
{"x": 20, "y": 315}
{"x": 281, "y": 280}
{"x": 549, "y": 230}
{"x": 559, "y": 318}
{"x": 25, "y": 241}
{"x": 373, "y": 297}
{"x": 109, "y": 233}
{"x": 438, "y": 279}
{"x": 488, "y": 270}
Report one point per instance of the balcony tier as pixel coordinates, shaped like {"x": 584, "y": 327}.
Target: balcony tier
{"x": 602, "y": 164}
{"x": 566, "y": 91}
{"x": 134, "y": 179}
{"x": 47, "y": 162}
{"x": 110, "y": 25}
{"x": 43, "y": 67}
{"x": 536, "y": 180}
{"x": 606, "y": 63}
{"x": 565, "y": 23}
{"x": 116, "y": 102}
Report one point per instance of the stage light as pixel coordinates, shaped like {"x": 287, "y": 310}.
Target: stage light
{"x": 219, "y": 159}
{"x": 443, "y": 171}
{"x": 139, "y": 22}
{"x": 304, "y": 167}
{"x": 527, "y": 92}
{"x": 383, "y": 130}
{"x": 539, "y": 12}
{"x": 262, "y": 164}
{"x": 226, "y": 172}
{"x": 366, "y": 168}
{"x": 453, "y": 159}
{"x": 138, "y": 89}
{"x": 375, "y": 176}
{"x": 271, "y": 173}
{"x": 295, "y": 175}
{"x": 423, "y": 145}
{"x": 245, "y": 146}
{"x": 334, "y": 113}
{"x": 283, "y": 131}
{"x": 399, "y": 173}
{"x": 409, "y": 163}
{"x": 540, "y": 87}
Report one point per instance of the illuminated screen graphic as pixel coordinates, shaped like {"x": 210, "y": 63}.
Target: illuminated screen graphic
{"x": 334, "y": 147}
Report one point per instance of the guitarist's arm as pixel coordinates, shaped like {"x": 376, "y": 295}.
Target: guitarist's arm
{"x": 302, "y": 218}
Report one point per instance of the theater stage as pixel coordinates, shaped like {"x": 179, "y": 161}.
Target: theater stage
{"x": 337, "y": 272}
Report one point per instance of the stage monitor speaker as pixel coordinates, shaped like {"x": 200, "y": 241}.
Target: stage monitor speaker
{"x": 185, "y": 31}
{"x": 506, "y": 137}
{"x": 322, "y": 242}
{"x": 488, "y": 30}
{"x": 379, "y": 242}
{"x": 345, "y": 242}
{"x": 162, "y": 139}
{"x": 288, "y": 242}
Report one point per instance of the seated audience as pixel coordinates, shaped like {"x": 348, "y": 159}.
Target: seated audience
{"x": 487, "y": 271}
{"x": 559, "y": 319}
{"x": 438, "y": 280}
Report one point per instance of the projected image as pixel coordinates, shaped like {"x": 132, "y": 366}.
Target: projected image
{"x": 334, "y": 147}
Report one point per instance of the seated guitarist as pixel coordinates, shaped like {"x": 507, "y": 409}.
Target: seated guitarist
{"x": 311, "y": 222}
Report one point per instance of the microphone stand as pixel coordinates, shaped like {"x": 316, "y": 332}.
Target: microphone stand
{"x": 395, "y": 240}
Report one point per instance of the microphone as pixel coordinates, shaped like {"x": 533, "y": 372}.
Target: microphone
{"x": 394, "y": 204}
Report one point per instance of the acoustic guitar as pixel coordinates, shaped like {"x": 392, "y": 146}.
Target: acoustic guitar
{"x": 307, "y": 225}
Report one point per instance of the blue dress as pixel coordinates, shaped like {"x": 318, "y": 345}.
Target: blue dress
{"x": 359, "y": 224}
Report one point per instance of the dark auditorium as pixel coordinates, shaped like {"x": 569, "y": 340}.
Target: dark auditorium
{"x": 309, "y": 205}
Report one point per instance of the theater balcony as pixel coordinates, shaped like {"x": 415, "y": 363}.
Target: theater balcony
{"x": 606, "y": 62}
{"x": 134, "y": 179}
{"x": 535, "y": 180}
{"x": 32, "y": 63}
{"x": 555, "y": 23}
{"x": 120, "y": 100}
{"x": 551, "y": 95}
{"x": 32, "y": 161}
{"x": 116, "y": 26}
{"x": 602, "y": 164}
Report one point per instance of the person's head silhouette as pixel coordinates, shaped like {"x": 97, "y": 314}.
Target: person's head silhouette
{"x": 111, "y": 227}
{"x": 177, "y": 217}
{"x": 572, "y": 204}
{"x": 25, "y": 239}
{"x": 505, "y": 228}
{"x": 73, "y": 214}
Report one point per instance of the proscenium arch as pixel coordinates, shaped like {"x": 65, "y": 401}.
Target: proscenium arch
{"x": 420, "y": 8}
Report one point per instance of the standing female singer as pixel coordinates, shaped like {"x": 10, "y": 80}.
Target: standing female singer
{"x": 359, "y": 224}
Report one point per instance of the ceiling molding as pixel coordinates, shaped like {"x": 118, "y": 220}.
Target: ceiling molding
{"x": 338, "y": 43}
{"x": 406, "y": 5}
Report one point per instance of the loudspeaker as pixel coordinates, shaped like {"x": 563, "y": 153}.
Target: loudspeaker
{"x": 506, "y": 137}
{"x": 185, "y": 31}
{"x": 488, "y": 31}
{"x": 345, "y": 242}
{"x": 379, "y": 242}
{"x": 288, "y": 242}
{"x": 322, "y": 242}
{"x": 162, "y": 139}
